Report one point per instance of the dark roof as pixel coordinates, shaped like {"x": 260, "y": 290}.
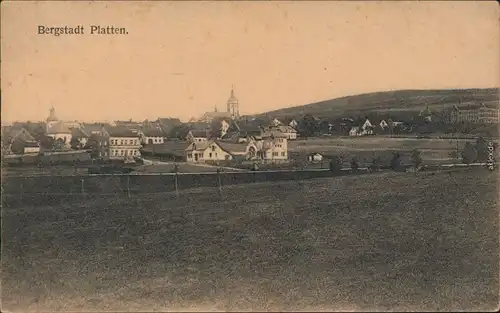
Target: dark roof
{"x": 199, "y": 133}
{"x": 94, "y": 127}
{"x": 31, "y": 144}
{"x": 11, "y": 132}
{"x": 198, "y": 126}
{"x": 153, "y": 132}
{"x": 232, "y": 147}
{"x": 78, "y": 133}
{"x": 173, "y": 147}
{"x": 121, "y": 132}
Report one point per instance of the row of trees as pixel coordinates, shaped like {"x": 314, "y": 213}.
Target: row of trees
{"x": 377, "y": 163}
{"x": 481, "y": 151}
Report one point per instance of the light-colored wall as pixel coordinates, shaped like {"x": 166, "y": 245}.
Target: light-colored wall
{"x": 208, "y": 154}
{"x": 279, "y": 150}
{"x": 65, "y": 137}
{"x": 31, "y": 150}
{"x": 155, "y": 140}
{"x": 120, "y": 147}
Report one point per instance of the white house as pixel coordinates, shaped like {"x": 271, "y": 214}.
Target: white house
{"x": 289, "y": 132}
{"x": 31, "y": 148}
{"x": 275, "y": 122}
{"x": 123, "y": 144}
{"x": 213, "y": 150}
{"x": 273, "y": 147}
{"x": 152, "y": 136}
{"x": 224, "y": 128}
{"x": 383, "y": 124}
{"x": 315, "y": 157}
{"x": 363, "y": 130}
{"x": 293, "y": 123}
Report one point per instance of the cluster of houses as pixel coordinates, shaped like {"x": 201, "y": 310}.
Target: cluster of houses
{"x": 216, "y": 136}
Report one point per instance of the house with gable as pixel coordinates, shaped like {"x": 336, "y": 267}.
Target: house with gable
{"x": 215, "y": 150}
{"x": 152, "y": 136}
{"x": 365, "y": 129}
{"x": 18, "y": 140}
{"x": 289, "y": 132}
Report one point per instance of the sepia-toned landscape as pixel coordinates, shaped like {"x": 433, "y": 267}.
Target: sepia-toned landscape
{"x": 254, "y": 195}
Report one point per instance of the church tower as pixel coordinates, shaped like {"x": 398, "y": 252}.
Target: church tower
{"x": 233, "y": 105}
{"x": 52, "y": 119}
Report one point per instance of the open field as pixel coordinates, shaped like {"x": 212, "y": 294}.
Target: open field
{"x": 392, "y": 240}
{"x": 433, "y": 151}
{"x": 68, "y": 170}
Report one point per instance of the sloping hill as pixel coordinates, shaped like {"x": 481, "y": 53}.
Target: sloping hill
{"x": 400, "y": 100}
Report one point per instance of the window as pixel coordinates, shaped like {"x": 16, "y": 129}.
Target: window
{"x": 121, "y": 152}
{"x": 210, "y": 154}
{"x": 121, "y": 142}
{"x": 190, "y": 155}
{"x": 213, "y": 148}
{"x": 105, "y": 154}
{"x": 282, "y": 153}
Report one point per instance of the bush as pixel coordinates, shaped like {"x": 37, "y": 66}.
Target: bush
{"x": 335, "y": 164}
{"x": 396, "y": 161}
{"x": 416, "y": 159}
{"x": 469, "y": 154}
{"x": 354, "y": 164}
{"x": 375, "y": 165}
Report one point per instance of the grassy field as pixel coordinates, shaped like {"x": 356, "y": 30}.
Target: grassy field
{"x": 378, "y": 242}
{"x": 68, "y": 170}
{"x": 433, "y": 150}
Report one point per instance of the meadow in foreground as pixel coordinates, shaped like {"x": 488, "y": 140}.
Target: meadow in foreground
{"x": 391, "y": 241}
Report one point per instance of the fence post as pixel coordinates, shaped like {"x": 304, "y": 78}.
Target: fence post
{"x": 128, "y": 185}
{"x": 176, "y": 185}
{"x": 83, "y": 188}
{"x": 219, "y": 184}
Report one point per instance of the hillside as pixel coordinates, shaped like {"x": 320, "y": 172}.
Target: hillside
{"x": 388, "y": 101}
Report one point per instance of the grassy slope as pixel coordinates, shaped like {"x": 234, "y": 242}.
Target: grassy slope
{"x": 392, "y": 240}
{"x": 401, "y": 100}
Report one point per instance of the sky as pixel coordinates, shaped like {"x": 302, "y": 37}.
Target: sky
{"x": 180, "y": 59}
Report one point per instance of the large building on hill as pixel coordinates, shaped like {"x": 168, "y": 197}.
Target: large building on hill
{"x": 480, "y": 114}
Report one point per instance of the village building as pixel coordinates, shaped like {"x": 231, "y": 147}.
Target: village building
{"x": 131, "y": 125}
{"x": 232, "y": 111}
{"x": 115, "y": 143}
{"x": 314, "y": 157}
{"x": 275, "y": 122}
{"x": 471, "y": 113}
{"x": 94, "y": 128}
{"x": 273, "y": 147}
{"x": 215, "y": 150}
{"x": 60, "y": 131}
{"x": 18, "y": 140}
{"x": 80, "y": 136}
{"x": 152, "y": 136}
{"x": 384, "y": 125}
{"x": 293, "y": 123}
{"x": 170, "y": 150}
{"x": 426, "y": 114}
{"x": 289, "y": 132}
{"x": 363, "y": 130}
{"x": 198, "y": 135}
